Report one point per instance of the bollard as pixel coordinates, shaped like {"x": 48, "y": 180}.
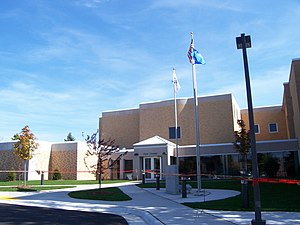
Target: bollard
{"x": 42, "y": 178}
{"x": 143, "y": 178}
{"x": 183, "y": 187}
{"x": 245, "y": 193}
{"x": 157, "y": 181}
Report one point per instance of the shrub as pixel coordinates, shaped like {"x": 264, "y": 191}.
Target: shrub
{"x": 56, "y": 175}
{"x": 11, "y": 176}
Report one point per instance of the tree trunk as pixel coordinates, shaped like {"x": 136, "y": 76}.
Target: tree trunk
{"x": 99, "y": 170}
{"x": 25, "y": 172}
{"x": 244, "y": 182}
{"x": 99, "y": 180}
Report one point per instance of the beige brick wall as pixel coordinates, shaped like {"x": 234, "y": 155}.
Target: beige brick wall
{"x": 294, "y": 84}
{"x": 216, "y": 119}
{"x": 265, "y": 115}
{"x": 64, "y": 158}
{"x": 288, "y": 111}
{"x": 83, "y": 165}
{"x": 39, "y": 161}
{"x": 186, "y": 122}
{"x": 156, "y": 118}
{"x": 67, "y": 157}
{"x": 9, "y": 161}
{"x": 122, "y": 126}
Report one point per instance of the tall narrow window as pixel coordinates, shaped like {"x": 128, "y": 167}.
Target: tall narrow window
{"x": 256, "y": 129}
{"x": 128, "y": 165}
{"x": 273, "y": 127}
{"x": 172, "y": 133}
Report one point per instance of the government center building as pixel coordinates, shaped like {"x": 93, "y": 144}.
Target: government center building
{"x": 147, "y": 135}
{"x": 146, "y": 139}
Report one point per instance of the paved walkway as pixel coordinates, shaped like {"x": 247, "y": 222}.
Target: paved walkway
{"x": 149, "y": 206}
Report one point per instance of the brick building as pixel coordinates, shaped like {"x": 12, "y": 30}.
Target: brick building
{"x": 147, "y": 135}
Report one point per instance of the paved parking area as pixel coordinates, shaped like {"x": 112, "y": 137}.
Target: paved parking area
{"x": 25, "y": 215}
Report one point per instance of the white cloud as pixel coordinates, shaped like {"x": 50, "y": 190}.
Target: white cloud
{"x": 91, "y": 3}
{"x": 267, "y": 88}
{"x": 215, "y": 4}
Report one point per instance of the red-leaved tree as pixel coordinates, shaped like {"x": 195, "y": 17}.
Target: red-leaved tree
{"x": 102, "y": 150}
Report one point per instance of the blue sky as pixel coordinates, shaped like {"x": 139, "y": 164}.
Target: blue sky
{"x": 62, "y": 63}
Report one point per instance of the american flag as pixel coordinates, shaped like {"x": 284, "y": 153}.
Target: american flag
{"x": 194, "y": 56}
{"x": 191, "y": 49}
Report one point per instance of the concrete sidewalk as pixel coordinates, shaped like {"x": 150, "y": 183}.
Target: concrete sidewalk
{"x": 148, "y": 206}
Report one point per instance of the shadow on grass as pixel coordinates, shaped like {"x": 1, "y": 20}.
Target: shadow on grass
{"x": 104, "y": 194}
{"x": 274, "y": 196}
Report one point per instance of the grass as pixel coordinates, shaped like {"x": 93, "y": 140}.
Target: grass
{"x": 281, "y": 197}
{"x": 35, "y": 185}
{"x": 59, "y": 182}
{"x": 32, "y": 188}
{"x": 274, "y": 197}
{"x": 104, "y": 194}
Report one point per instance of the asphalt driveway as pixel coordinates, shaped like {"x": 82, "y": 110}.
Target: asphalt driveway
{"x": 28, "y": 215}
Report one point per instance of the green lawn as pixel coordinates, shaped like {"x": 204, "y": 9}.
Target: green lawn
{"x": 49, "y": 184}
{"x": 58, "y": 182}
{"x": 105, "y": 194}
{"x": 274, "y": 197}
{"x": 34, "y": 188}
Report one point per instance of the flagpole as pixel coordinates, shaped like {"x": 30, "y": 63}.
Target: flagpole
{"x": 196, "y": 121}
{"x": 176, "y": 126}
{"x": 176, "y": 87}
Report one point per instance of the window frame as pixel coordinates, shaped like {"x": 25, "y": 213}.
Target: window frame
{"x": 258, "y": 129}
{"x": 172, "y": 131}
{"x": 269, "y": 127}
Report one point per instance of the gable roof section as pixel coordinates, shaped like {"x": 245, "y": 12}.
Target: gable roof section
{"x": 156, "y": 140}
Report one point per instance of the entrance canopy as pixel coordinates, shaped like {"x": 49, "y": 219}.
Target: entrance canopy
{"x": 153, "y": 155}
{"x": 154, "y": 146}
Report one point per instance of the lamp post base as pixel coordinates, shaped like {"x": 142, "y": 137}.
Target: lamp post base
{"x": 256, "y": 222}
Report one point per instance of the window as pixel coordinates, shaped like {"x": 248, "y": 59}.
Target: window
{"x": 128, "y": 169}
{"x": 273, "y": 128}
{"x": 172, "y": 133}
{"x": 128, "y": 165}
{"x": 256, "y": 128}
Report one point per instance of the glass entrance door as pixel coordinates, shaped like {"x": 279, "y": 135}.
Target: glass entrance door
{"x": 152, "y": 166}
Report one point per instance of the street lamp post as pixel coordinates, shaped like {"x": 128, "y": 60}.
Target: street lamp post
{"x": 244, "y": 42}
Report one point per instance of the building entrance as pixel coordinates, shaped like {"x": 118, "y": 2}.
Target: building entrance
{"x": 151, "y": 166}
